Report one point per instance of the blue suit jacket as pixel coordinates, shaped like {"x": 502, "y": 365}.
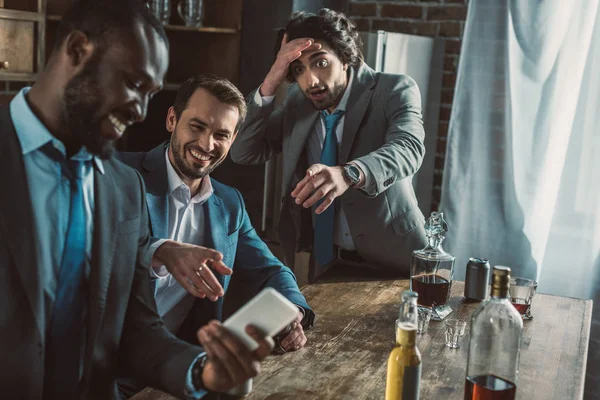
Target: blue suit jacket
{"x": 228, "y": 230}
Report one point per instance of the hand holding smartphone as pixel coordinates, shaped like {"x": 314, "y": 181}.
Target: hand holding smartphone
{"x": 269, "y": 311}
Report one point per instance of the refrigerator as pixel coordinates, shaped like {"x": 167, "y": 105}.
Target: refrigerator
{"x": 421, "y": 58}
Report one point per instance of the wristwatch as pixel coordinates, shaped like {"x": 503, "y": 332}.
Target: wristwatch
{"x": 352, "y": 174}
{"x": 197, "y": 370}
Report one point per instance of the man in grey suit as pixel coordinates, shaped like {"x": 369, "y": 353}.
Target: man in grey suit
{"x": 77, "y": 306}
{"x": 351, "y": 140}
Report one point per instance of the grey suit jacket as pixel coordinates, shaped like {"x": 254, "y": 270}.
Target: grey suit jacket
{"x": 383, "y": 129}
{"x": 124, "y": 331}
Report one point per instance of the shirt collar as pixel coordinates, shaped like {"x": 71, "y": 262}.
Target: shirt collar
{"x": 175, "y": 182}
{"x": 344, "y": 100}
{"x": 33, "y": 135}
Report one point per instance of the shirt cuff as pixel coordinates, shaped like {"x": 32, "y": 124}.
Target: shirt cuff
{"x": 160, "y": 280}
{"x": 190, "y": 391}
{"x": 152, "y": 249}
{"x": 146, "y": 254}
{"x": 262, "y": 100}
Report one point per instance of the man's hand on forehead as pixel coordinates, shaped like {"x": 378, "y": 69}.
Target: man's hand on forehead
{"x": 289, "y": 52}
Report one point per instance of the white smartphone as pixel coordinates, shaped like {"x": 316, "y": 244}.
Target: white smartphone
{"x": 269, "y": 311}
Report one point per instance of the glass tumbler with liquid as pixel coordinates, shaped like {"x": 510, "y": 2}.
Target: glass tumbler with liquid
{"x": 432, "y": 267}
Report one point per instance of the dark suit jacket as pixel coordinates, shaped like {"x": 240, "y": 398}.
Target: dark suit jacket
{"x": 384, "y": 130}
{"x": 124, "y": 332}
{"x": 228, "y": 230}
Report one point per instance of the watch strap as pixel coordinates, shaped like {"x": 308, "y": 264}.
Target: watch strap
{"x": 197, "y": 371}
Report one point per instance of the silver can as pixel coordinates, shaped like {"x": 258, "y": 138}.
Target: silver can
{"x": 477, "y": 279}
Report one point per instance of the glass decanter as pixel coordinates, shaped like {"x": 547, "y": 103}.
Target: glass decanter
{"x": 432, "y": 269}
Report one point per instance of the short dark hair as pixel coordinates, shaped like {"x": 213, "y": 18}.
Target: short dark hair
{"x": 327, "y": 25}
{"x": 99, "y": 19}
{"x": 219, "y": 87}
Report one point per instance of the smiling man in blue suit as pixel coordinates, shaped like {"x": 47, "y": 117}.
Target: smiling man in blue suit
{"x": 187, "y": 205}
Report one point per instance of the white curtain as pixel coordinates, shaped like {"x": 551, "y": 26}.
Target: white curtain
{"x": 522, "y": 175}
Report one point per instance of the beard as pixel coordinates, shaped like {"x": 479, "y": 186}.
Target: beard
{"x": 333, "y": 96}
{"x": 179, "y": 157}
{"x": 81, "y": 101}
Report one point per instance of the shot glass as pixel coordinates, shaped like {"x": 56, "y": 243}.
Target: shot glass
{"x": 455, "y": 329}
{"x": 423, "y": 320}
{"x": 522, "y": 291}
{"x": 242, "y": 390}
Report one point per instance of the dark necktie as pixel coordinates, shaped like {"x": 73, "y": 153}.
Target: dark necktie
{"x": 63, "y": 342}
{"x": 324, "y": 222}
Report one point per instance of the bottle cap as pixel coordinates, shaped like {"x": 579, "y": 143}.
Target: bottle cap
{"x": 500, "y": 281}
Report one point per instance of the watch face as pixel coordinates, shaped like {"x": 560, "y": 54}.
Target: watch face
{"x": 353, "y": 173}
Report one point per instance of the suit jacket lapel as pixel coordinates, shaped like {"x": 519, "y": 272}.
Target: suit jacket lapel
{"x": 216, "y": 225}
{"x": 216, "y": 236}
{"x": 358, "y": 103}
{"x": 157, "y": 188}
{"x": 103, "y": 249}
{"x": 16, "y": 217}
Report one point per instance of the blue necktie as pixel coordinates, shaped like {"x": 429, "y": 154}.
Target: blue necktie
{"x": 324, "y": 222}
{"x": 63, "y": 348}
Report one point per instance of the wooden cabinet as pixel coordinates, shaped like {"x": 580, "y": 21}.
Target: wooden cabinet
{"x": 27, "y": 29}
{"x": 22, "y": 25}
{"x": 213, "y": 48}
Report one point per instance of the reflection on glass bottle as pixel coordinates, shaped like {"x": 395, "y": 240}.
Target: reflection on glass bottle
{"x": 404, "y": 362}
{"x": 493, "y": 359}
{"x": 432, "y": 268}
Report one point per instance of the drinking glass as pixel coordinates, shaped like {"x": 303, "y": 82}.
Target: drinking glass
{"x": 455, "y": 329}
{"x": 424, "y": 315}
{"x": 241, "y": 390}
{"x": 161, "y": 9}
{"x": 191, "y": 12}
{"x": 521, "y": 292}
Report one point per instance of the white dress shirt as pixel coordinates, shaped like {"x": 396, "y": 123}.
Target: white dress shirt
{"x": 186, "y": 225}
{"x": 341, "y": 234}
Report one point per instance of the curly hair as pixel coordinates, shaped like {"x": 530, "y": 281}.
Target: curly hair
{"x": 327, "y": 25}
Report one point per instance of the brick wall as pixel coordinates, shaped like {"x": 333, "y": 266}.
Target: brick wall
{"x": 434, "y": 18}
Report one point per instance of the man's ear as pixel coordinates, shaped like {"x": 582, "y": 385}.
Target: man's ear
{"x": 79, "y": 48}
{"x": 171, "y": 120}
{"x": 345, "y": 66}
{"x": 234, "y": 136}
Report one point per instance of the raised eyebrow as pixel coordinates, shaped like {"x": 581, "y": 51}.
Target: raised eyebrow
{"x": 316, "y": 55}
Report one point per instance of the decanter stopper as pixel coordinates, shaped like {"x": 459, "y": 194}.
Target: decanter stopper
{"x": 435, "y": 226}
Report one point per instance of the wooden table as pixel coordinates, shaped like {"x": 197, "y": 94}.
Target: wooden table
{"x": 347, "y": 350}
